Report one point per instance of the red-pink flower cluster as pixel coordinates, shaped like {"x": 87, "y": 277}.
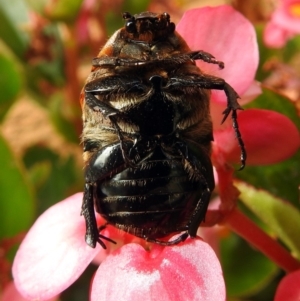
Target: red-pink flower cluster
{"x": 289, "y": 288}
{"x": 284, "y": 23}
{"x": 54, "y": 254}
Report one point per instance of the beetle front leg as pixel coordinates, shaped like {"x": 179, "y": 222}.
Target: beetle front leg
{"x": 232, "y": 107}
{"x": 107, "y": 61}
{"x": 205, "y": 57}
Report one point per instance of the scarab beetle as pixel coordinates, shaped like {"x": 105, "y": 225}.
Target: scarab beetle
{"x": 147, "y": 133}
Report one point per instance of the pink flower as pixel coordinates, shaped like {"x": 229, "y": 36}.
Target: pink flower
{"x": 54, "y": 254}
{"x": 264, "y": 132}
{"x": 289, "y": 288}
{"x": 284, "y": 23}
{"x": 270, "y": 137}
{"x": 10, "y": 293}
{"x": 82, "y": 20}
{"x": 189, "y": 271}
{"x": 228, "y": 36}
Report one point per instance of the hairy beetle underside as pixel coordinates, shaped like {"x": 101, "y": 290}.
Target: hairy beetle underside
{"x": 147, "y": 133}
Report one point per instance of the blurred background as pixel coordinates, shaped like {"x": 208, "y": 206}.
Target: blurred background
{"x": 46, "y": 48}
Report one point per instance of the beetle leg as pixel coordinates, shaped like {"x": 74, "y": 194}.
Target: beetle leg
{"x": 199, "y": 213}
{"x": 200, "y": 169}
{"x": 176, "y": 59}
{"x": 176, "y": 241}
{"x": 197, "y": 217}
{"x": 215, "y": 83}
{"x": 101, "y": 106}
{"x": 206, "y": 57}
{"x": 123, "y": 147}
{"x": 181, "y": 58}
{"x": 92, "y": 235}
{"x": 103, "y": 237}
{"x": 100, "y": 165}
{"x": 196, "y": 168}
{"x": 114, "y": 84}
{"x": 110, "y": 112}
{"x": 109, "y": 86}
{"x": 87, "y": 210}
{"x": 115, "y": 62}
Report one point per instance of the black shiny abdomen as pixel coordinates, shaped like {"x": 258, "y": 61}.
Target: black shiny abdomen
{"x": 151, "y": 200}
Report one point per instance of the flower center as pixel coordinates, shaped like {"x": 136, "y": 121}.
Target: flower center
{"x": 294, "y": 10}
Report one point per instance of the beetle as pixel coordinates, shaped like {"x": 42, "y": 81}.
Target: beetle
{"x": 147, "y": 133}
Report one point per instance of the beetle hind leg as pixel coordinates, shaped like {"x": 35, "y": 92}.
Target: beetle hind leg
{"x": 87, "y": 210}
{"x": 199, "y": 213}
{"x": 92, "y": 235}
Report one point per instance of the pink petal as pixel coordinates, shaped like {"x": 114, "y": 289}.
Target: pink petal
{"x": 284, "y": 24}
{"x": 287, "y": 16}
{"x": 120, "y": 237}
{"x": 10, "y": 293}
{"x": 252, "y": 92}
{"x": 275, "y": 36}
{"x": 289, "y": 288}
{"x": 189, "y": 271}
{"x": 269, "y": 137}
{"x": 53, "y": 254}
{"x": 227, "y": 35}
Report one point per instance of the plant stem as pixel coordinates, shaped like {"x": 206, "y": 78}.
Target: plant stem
{"x": 244, "y": 227}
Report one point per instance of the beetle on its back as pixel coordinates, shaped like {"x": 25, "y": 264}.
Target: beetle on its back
{"x": 147, "y": 133}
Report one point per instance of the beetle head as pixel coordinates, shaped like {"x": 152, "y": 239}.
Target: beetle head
{"x": 147, "y": 26}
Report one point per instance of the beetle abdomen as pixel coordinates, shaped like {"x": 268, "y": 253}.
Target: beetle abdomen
{"x": 156, "y": 193}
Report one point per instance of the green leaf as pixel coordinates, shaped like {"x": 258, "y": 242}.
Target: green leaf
{"x": 46, "y": 69}
{"x": 281, "y": 179}
{"x": 59, "y": 176}
{"x": 265, "y": 54}
{"x": 63, "y": 125}
{"x": 135, "y": 6}
{"x": 246, "y": 271}
{"x": 291, "y": 49}
{"x": 13, "y": 16}
{"x": 17, "y": 204}
{"x": 10, "y": 83}
{"x": 37, "y": 6}
{"x": 113, "y": 21}
{"x": 64, "y": 10}
{"x": 281, "y": 217}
